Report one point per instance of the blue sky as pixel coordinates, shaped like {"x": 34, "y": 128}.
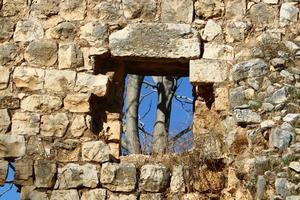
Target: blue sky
{"x": 11, "y": 194}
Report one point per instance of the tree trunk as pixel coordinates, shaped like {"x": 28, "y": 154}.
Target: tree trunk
{"x": 166, "y": 89}
{"x": 132, "y": 106}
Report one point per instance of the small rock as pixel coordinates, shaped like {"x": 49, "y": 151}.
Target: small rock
{"x": 12, "y": 146}
{"x": 291, "y": 117}
{"x": 211, "y": 30}
{"x": 281, "y": 139}
{"x": 247, "y": 116}
{"x": 293, "y": 197}
{"x": 295, "y": 166}
{"x": 260, "y": 187}
{"x": 96, "y": 84}
{"x": 73, "y": 10}
{"x": 278, "y": 62}
{"x": 25, "y": 123}
{"x": 271, "y": 1}
{"x": 287, "y": 75}
{"x": 267, "y": 124}
{"x": 28, "y": 30}
{"x": 208, "y": 9}
{"x": 69, "y": 56}
{"x": 4, "y": 121}
{"x": 237, "y": 96}
{"x": 218, "y": 51}
{"x": 237, "y": 30}
{"x": 267, "y": 107}
{"x": 78, "y": 126}
{"x": 177, "y": 11}
{"x": 96, "y": 151}
{"x": 177, "y": 181}
{"x": 287, "y": 126}
{"x": 54, "y": 125}
{"x": 281, "y": 186}
{"x": 62, "y": 31}
{"x": 279, "y": 96}
{"x": 45, "y": 8}
{"x": 288, "y": 13}
{"x": 78, "y": 103}
{"x": 45, "y": 173}
{"x": 4, "y": 77}
{"x": 60, "y": 80}
{"x": 146, "y": 9}
{"x": 250, "y": 68}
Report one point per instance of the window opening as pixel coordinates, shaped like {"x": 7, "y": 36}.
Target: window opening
{"x": 9, "y": 190}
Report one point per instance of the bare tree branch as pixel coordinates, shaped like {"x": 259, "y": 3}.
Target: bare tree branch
{"x": 182, "y": 133}
{"x": 10, "y": 187}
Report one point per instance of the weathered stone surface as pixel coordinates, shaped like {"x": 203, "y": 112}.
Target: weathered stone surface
{"x": 96, "y": 194}
{"x": 44, "y": 172}
{"x": 293, "y": 197}
{"x": 218, "y": 51}
{"x": 7, "y": 29}
{"x": 95, "y": 151}
{"x": 281, "y": 186}
{"x": 3, "y": 171}
{"x": 25, "y": 123}
{"x": 41, "y": 103}
{"x": 236, "y": 9}
{"x": 288, "y": 13}
{"x": 154, "y": 178}
{"x": 96, "y": 84}
{"x": 4, "y": 77}
{"x": 28, "y": 30}
{"x": 151, "y": 196}
{"x": 260, "y": 187}
{"x": 280, "y": 139}
{"x": 30, "y": 192}
{"x": 192, "y": 196}
{"x": 29, "y": 78}
{"x": 267, "y": 124}
{"x": 41, "y": 53}
{"x": 295, "y": 166}
{"x": 211, "y": 30}
{"x": 8, "y": 52}
{"x": 118, "y": 177}
{"x": 69, "y": 56}
{"x": 95, "y": 34}
{"x": 60, "y": 80}
{"x": 4, "y": 121}
{"x": 207, "y": 71}
{"x": 122, "y": 197}
{"x": 63, "y": 31}
{"x": 74, "y": 175}
{"x": 72, "y": 10}
{"x": 78, "y": 126}
{"x": 291, "y": 117}
{"x": 221, "y": 98}
{"x": 64, "y": 195}
{"x": 12, "y": 7}
{"x": 209, "y": 8}
{"x": 177, "y": 181}
{"x": 36, "y": 147}
{"x": 279, "y": 96}
{"x": 113, "y": 129}
{"x": 262, "y": 14}
{"x": 54, "y": 125}
{"x": 237, "y": 30}
{"x": 45, "y": 8}
{"x": 78, "y": 103}
{"x": 108, "y": 11}
{"x": 247, "y": 116}
{"x": 155, "y": 40}
{"x": 248, "y": 69}
{"x": 12, "y": 146}
{"x": 145, "y": 9}
{"x": 68, "y": 150}
{"x": 177, "y": 11}
{"x": 210, "y": 181}
{"x": 23, "y": 171}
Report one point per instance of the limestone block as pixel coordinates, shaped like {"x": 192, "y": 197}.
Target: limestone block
{"x": 250, "y": 68}
{"x": 4, "y": 77}
{"x": 247, "y": 116}
{"x": 262, "y": 15}
{"x": 113, "y": 130}
{"x": 74, "y": 175}
{"x": 9, "y": 102}
{"x": 211, "y": 30}
{"x": 281, "y": 186}
{"x": 60, "y": 80}
{"x": 177, "y": 11}
{"x": 54, "y": 125}
{"x": 12, "y": 7}
{"x": 41, "y": 103}
{"x": 45, "y": 8}
{"x": 69, "y": 56}
{"x": 208, "y": 8}
{"x": 44, "y": 172}
{"x": 192, "y": 196}
{"x": 72, "y": 10}
{"x": 87, "y": 57}
{"x": 145, "y": 9}
{"x": 78, "y": 126}
{"x": 41, "y": 53}
{"x": 271, "y": 1}
{"x": 23, "y": 171}
{"x": 12, "y": 146}
{"x": 3, "y": 171}
{"x": 280, "y": 138}
{"x": 30, "y": 192}
{"x": 115, "y": 149}
{"x": 4, "y": 121}
{"x": 207, "y": 71}
{"x": 154, "y": 178}
{"x": 122, "y": 197}
{"x": 279, "y": 96}
{"x": 25, "y": 123}
{"x": 288, "y": 13}
{"x": 96, "y": 194}
{"x": 218, "y": 51}
{"x": 221, "y": 98}
{"x": 28, "y": 30}
{"x": 156, "y": 40}
{"x": 29, "y": 78}
{"x": 118, "y": 177}
{"x": 237, "y": 30}
{"x": 64, "y": 195}
{"x": 62, "y": 31}
{"x": 236, "y": 9}
{"x": 151, "y": 196}
{"x": 94, "y": 33}
{"x": 96, "y": 151}
{"x": 107, "y": 10}
{"x": 177, "y": 181}
{"x": 7, "y": 29}
{"x": 8, "y": 52}
{"x": 96, "y": 84}
{"x": 78, "y": 103}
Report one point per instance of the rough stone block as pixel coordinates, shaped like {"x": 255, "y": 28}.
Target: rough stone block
{"x": 69, "y": 56}
{"x": 29, "y": 78}
{"x": 4, "y": 77}
{"x": 95, "y": 33}
{"x": 4, "y": 121}
{"x": 208, "y": 9}
{"x": 288, "y": 13}
{"x": 122, "y": 197}
{"x": 145, "y": 9}
{"x": 218, "y": 51}
{"x": 237, "y": 30}
{"x": 151, "y": 196}
{"x": 74, "y": 175}
{"x": 249, "y": 69}
{"x": 8, "y": 52}
{"x": 154, "y": 178}
{"x": 177, "y": 183}
{"x": 64, "y": 195}
{"x": 23, "y": 171}
{"x": 3, "y": 171}
{"x": 262, "y": 14}
{"x": 60, "y": 80}
{"x": 9, "y": 102}
{"x": 107, "y": 11}
{"x": 62, "y": 31}
{"x": 113, "y": 130}
{"x": 45, "y": 8}
{"x": 72, "y": 10}
{"x": 96, "y": 84}
{"x": 281, "y": 139}
{"x": 96, "y": 194}
{"x": 221, "y": 98}
{"x": 41, "y": 103}
{"x": 236, "y": 9}
{"x": 211, "y": 30}
{"x": 25, "y": 123}
{"x": 115, "y": 149}
{"x": 177, "y": 11}
{"x": 118, "y": 177}
{"x": 155, "y": 40}
{"x": 207, "y": 71}
{"x": 210, "y": 181}
{"x": 78, "y": 126}
{"x": 28, "y": 30}
{"x": 54, "y": 125}
{"x": 44, "y": 172}
{"x": 96, "y": 151}
{"x": 30, "y": 192}
{"x": 13, "y": 7}
{"x": 41, "y": 53}
{"x": 78, "y": 103}
{"x": 7, "y": 29}
{"x": 12, "y": 146}
{"x": 247, "y": 116}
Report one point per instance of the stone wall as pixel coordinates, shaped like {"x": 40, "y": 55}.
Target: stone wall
{"x": 62, "y": 68}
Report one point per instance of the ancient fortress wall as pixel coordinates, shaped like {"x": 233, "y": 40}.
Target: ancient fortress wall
{"x": 62, "y": 66}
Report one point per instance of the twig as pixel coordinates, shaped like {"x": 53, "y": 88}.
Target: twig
{"x": 181, "y": 133}
{"x": 11, "y": 185}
